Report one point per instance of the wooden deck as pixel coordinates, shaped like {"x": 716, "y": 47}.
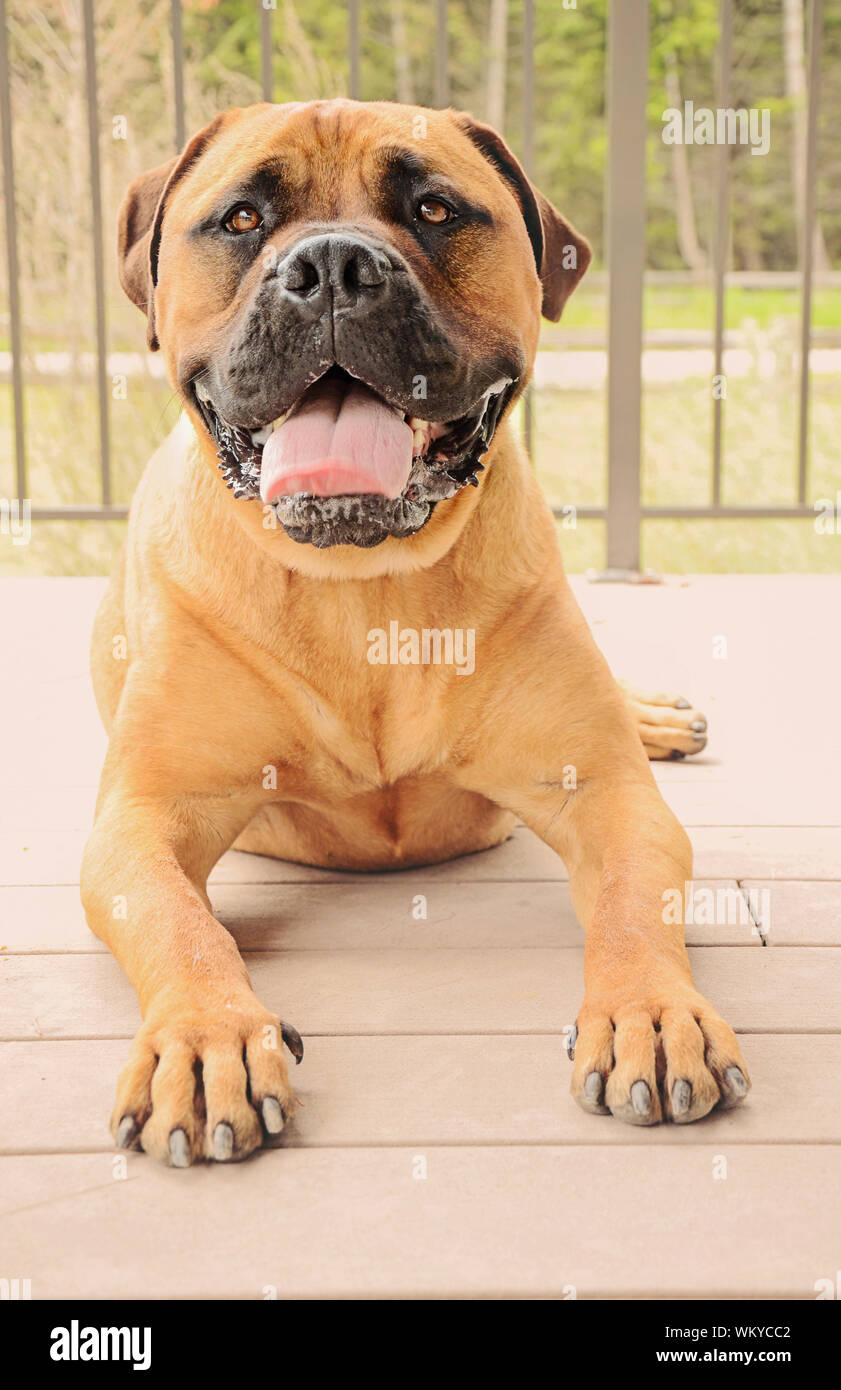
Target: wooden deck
{"x": 438, "y": 1153}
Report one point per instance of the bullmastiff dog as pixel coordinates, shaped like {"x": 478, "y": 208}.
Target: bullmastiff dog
{"x": 348, "y": 298}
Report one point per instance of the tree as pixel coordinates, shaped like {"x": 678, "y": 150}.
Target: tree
{"x": 497, "y": 63}
{"x": 795, "y": 80}
{"x": 687, "y": 235}
{"x": 402, "y": 57}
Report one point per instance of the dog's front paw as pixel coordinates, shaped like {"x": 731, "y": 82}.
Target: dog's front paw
{"x": 652, "y": 1059}
{"x": 205, "y": 1081}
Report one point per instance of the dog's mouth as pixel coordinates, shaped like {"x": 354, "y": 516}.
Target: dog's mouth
{"x": 344, "y": 466}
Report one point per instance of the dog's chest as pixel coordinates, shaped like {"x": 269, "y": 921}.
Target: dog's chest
{"x": 362, "y": 734}
{"x": 372, "y": 698}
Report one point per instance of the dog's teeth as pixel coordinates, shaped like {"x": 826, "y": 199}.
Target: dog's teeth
{"x": 419, "y": 430}
{"x": 260, "y": 436}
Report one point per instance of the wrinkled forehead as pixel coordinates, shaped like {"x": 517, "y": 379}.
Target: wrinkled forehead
{"x": 335, "y": 158}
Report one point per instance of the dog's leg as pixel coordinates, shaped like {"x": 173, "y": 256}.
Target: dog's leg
{"x": 205, "y": 1076}
{"x": 559, "y": 748}
{"x": 649, "y": 1046}
{"x": 668, "y": 725}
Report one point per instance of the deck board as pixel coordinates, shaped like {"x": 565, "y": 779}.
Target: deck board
{"x": 350, "y": 916}
{"x": 593, "y": 1222}
{"x": 425, "y": 991}
{"x": 720, "y": 851}
{"x": 414, "y": 1089}
{"x": 798, "y": 913}
{"x": 440, "y": 1038}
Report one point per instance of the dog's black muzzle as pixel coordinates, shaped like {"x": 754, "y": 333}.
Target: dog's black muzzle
{"x": 338, "y": 301}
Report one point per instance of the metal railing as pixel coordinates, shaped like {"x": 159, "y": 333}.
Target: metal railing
{"x": 627, "y": 88}
{"x": 627, "y": 79}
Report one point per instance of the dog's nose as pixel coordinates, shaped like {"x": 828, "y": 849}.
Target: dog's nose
{"x": 348, "y": 270}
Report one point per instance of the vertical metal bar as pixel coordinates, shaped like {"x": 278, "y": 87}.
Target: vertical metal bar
{"x": 353, "y": 49}
{"x": 266, "y": 64}
{"x": 528, "y": 165}
{"x": 808, "y": 237}
{"x": 178, "y": 73}
{"x": 98, "y": 262}
{"x": 722, "y": 232}
{"x": 626, "y": 123}
{"x": 442, "y": 55}
{"x": 12, "y": 268}
{"x": 528, "y": 87}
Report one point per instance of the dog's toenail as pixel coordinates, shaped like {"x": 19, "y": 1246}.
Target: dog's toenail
{"x": 676, "y": 754}
{"x": 126, "y": 1131}
{"x": 736, "y": 1081}
{"x": 272, "y": 1115}
{"x": 223, "y": 1142}
{"x": 681, "y": 1097}
{"x": 699, "y": 725}
{"x": 681, "y": 704}
{"x": 641, "y": 1098}
{"x": 572, "y": 1039}
{"x": 179, "y": 1149}
{"x": 293, "y": 1040}
{"x": 593, "y": 1087}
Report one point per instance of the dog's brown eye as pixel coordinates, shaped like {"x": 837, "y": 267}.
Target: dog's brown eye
{"x": 432, "y": 210}
{"x": 243, "y": 219}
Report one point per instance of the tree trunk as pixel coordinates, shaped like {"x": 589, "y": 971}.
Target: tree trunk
{"x": 497, "y": 54}
{"x": 795, "y": 79}
{"x": 402, "y": 64}
{"x": 78, "y": 253}
{"x": 687, "y": 235}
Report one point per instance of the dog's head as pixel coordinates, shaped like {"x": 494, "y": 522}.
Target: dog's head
{"x": 348, "y": 296}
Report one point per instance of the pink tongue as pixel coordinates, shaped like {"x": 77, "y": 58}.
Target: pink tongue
{"x": 341, "y": 439}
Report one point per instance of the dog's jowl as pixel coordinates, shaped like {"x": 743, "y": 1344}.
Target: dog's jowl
{"x": 348, "y": 311}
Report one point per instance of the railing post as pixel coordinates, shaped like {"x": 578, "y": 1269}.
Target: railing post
{"x": 722, "y": 237}
{"x": 266, "y": 55}
{"x": 528, "y": 165}
{"x": 808, "y": 239}
{"x": 12, "y": 264}
{"x": 354, "y": 80}
{"x": 626, "y": 115}
{"x": 177, "y": 32}
{"x": 98, "y": 254}
{"x": 442, "y": 55}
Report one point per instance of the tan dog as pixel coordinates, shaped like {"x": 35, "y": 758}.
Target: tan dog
{"x": 348, "y": 297}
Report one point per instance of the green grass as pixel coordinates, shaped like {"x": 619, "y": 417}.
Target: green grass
{"x": 62, "y": 445}
{"x": 682, "y": 307}
{"x": 759, "y": 469}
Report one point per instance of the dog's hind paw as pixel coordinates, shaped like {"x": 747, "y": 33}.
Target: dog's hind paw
{"x": 669, "y": 725}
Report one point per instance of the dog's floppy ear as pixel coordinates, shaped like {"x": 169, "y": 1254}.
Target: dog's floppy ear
{"x": 562, "y": 254}
{"x": 139, "y": 226}
{"x": 134, "y": 239}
